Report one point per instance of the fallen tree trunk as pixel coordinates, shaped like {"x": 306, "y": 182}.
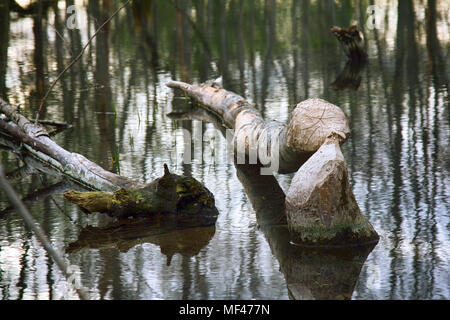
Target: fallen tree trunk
{"x": 320, "y": 206}
{"x": 72, "y": 165}
{"x": 117, "y": 196}
{"x": 169, "y": 194}
{"x": 282, "y": 146}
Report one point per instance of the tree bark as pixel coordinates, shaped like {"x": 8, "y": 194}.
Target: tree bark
{"x": 72, "y": 165}
{"x": 285, "y": 146}
{"x": 320, "y": 206}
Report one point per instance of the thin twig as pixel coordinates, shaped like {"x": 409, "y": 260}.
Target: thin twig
{"x": 29, "y": 221}
{"x": 77, "y": 58}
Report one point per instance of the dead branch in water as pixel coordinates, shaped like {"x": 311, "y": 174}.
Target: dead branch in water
{"x": 29, "y": 221}
{"x": 290, "y": 144}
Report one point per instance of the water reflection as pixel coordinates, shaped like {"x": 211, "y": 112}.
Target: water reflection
{"x": 173, "y": 235}
{"x": 310, "y": 273}
{"x": 350, "y": 77}
{"x": 274, "y": 53}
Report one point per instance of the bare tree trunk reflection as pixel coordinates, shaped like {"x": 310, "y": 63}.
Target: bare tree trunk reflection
{"x": 4, "y": 41}
{"x": 223, "y": 63}
{"x": 270, "y": 14}
{"x": 305, "y": 47}
{"x": 39, "y": 61}
{"x": 435, "y": 57}
{"x": 241, "y": 48}
{"x": 103, "y": 97}
{"x": 59, "y": 44}
{"x": 405, "y": 34}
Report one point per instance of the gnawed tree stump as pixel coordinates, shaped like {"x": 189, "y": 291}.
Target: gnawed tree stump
{"x": 310, "y": 272}
{"x": 352, "y": 41}
{"x": 320, "y": 206}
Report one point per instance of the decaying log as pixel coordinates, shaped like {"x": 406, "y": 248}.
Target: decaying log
{"x": 116, "y": 195}
{"x": 170, "y": 193}
{"x": 352, "y": 41}
{"x": 320, "y": 206}
{"x": 284, "y": 146}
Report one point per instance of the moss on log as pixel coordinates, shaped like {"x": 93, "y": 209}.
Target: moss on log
{"x": 170, "y": 193}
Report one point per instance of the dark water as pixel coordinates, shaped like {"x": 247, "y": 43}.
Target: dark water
{"x": 276, "y": 54}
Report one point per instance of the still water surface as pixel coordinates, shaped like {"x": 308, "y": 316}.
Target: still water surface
{"x": 275, "y": 54}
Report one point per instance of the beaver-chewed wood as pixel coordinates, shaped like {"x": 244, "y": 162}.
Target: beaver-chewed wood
{"x": 320, "y": 206}
{"x": 283, "y": 146}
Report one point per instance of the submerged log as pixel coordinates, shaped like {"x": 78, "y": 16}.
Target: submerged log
{"x": 352, "y": 41}
{"x": 283, "y": 146}
{"x": 320, "y": 206}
